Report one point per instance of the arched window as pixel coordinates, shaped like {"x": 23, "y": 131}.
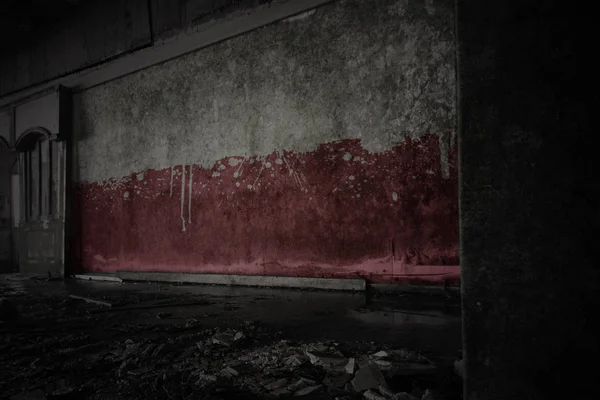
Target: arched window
{"x": 37, "y": 159}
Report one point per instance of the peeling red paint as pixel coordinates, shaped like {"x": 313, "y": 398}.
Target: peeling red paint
{"x": 337, "y": 211}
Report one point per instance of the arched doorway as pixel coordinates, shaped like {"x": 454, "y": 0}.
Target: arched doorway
{"x": 7, "y": 245}
{"x": 41, "y": 224}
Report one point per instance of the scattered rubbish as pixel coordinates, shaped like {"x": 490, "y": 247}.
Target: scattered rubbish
{"x": 405, "y": 396}
{"x": 119, "y": 358}
{"x": 92, "y": 301}
{"x": 277, "y": 384}
{"x": 230, "y": 372}
{"x": 307, "y": 390}
{"x": 373, "y": 395}
{"x": 350, "y": 366}
{"x": 368, "y": 377}
{"x": 227, "y": 338}
{"x": 384, "y": 390}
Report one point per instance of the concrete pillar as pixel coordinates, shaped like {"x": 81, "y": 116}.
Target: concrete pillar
{"x": 529, "y": 202}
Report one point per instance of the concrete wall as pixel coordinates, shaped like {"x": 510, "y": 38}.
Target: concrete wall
{"x": 6, "y": 161}
{"x": 322, "y": 145}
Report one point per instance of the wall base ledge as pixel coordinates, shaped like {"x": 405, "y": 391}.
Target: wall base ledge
{"x": 247, "y": 280}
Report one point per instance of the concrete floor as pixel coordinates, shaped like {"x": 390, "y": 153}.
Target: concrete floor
{"x": 429, "y": 324}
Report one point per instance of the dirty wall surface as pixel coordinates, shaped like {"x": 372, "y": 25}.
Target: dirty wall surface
{"x": 322, "y": 145}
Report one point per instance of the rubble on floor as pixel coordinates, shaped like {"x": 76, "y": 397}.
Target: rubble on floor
{"x": 46, "y": 358}
{"x": 213, "y": 360}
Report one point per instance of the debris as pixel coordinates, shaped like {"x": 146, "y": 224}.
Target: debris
{"x": 227, "y": 338}
{"x": 428, "y": 395}
{"x": 124, "y": 368}
{"x": 384, "y": 390}
{"x": 280, "y": 392}
{"x": 148, "y": 350}
{"x": 381, "y": 354}
{"x": 277, "y": 384}
{"x": 384, "y": 365}
{"x": 373, "y": 395}
{"x": 299, "y": 384}
{"x": 160, "y": 350}
{"x": 229, "y": 372}
{"x": 296, "y": 360}
{"x": 92, "y": 301}
{"x": 351, "y": 366}
{"x": 206, "y": 377}
{"x": 328, "y": 360}
{"x": 368, "y": 377}
{"x": 405, "y": 396}
{"x": 163, "y": 315}
{"x": 307, "y": 390}
{"x": 140, "y": 371}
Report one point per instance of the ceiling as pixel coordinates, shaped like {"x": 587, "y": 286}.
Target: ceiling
{"x": 20, "y": 19}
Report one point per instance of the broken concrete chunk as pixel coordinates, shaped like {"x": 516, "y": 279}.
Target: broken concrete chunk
{"x": 405, "y": 396}
{"x": 277, "y": 384}
{"x": 387, "y": 392}
{"x": 384, "y": 365}
{"x": 373, "y": 395}
{"x": 428, "y": 395}
{"x": 299, "y": 384}
{"x": 296, "y": 360}
{"x": 307, "y": 390}
{"x": 330, "y": 361}
{"x": 223, "y": 339}
{"x": 140, "y": 371}
{"x": 206, "y": 377}
{"x": 230, "y": 372}
{"x": 160, "y": 350}
{"x": 124, "y": 368}
{"x": 148, "y": 350}
{"x": 368, "y": 377}
{"x": 381, "y": 354}
{"x": 350, "y": 366}
{"x": 280, "y": 392}
{"x": 238, "y": 336}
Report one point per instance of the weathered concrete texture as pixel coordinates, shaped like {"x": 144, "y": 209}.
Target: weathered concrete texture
{"x": 339, "y": 211}
{"x": 358, "y": 285}
{"x": 529, "y": 203}
{"x": 347, "y": 71}
{"x": 322, "y": 145}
